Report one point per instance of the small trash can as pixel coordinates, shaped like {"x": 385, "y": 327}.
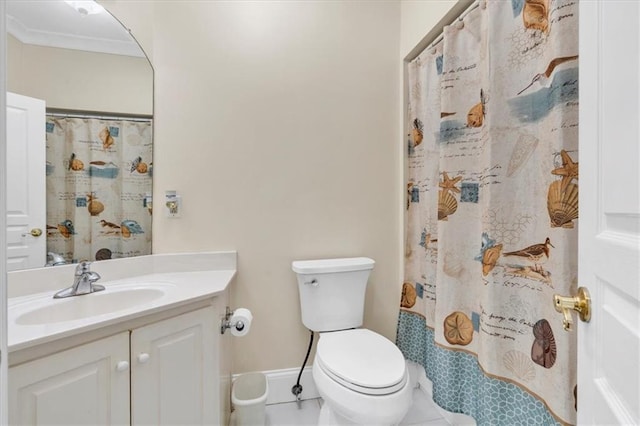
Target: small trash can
{"x": 249, "y": 397}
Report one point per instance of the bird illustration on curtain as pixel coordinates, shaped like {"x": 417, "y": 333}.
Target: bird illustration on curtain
{"x": 536, "y": 254}
{"x": 544, "y": 78}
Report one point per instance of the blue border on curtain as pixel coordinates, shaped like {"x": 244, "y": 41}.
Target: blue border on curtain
{"x": 460, "y": 385}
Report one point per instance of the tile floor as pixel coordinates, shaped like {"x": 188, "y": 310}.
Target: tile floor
{"x": 423, "y": 412}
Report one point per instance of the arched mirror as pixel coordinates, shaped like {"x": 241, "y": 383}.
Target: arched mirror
{"x": 79, "y": 145}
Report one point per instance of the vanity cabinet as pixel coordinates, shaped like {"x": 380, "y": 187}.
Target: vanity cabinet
{"x": 163, "y": 373}
{"x": 79, "y": 386}
{"x": 173, "y": 373}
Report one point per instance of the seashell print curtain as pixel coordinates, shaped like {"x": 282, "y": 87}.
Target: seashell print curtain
{"x": 492, "y": 213}
{"x": 98, "y": 180}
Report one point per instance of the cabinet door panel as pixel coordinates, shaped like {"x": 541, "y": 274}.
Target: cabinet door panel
{"x": 171, "y": 383}
{"x": 79, "y": 386}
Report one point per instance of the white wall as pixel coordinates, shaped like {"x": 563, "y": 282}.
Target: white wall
{"x": 73, "y": 79}
{"x": 277, "y": 122}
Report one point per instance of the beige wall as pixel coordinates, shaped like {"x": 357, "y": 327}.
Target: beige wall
{"x": 418, "y": 17}
{"x": 278, "y": 122}
{"x": 73, "y": 79}
{"x": 137, "y": 17}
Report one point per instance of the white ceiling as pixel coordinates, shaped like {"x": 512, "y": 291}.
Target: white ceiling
{"x": 54, "y": 23}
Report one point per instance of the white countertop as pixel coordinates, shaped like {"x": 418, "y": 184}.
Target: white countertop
{"x": 170, "y": 289}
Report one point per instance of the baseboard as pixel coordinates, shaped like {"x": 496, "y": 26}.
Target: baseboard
{"x": 281, "y": 381}
{"x": 426, "y": 386}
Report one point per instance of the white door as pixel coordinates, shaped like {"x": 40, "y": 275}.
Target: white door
{"x": 86, "y": 385}
{"x": 26, "y": 186}
{"x": 609, "y": 251}
{"x": 173, "y": 371}
{"x": 3, "y": 219}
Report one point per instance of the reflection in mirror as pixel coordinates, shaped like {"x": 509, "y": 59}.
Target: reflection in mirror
{"x": 79, "y": 179}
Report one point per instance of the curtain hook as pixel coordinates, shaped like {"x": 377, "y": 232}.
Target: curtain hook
{"x": 459, "y": 24}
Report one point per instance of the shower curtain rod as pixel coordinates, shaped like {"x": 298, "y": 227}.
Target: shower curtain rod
{"x": 55, "y": 112}
{"x": 460, "y": 18}
{"x": 457, "y": 13}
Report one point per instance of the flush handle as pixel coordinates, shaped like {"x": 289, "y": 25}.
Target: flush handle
{"x": 314, "y": 282}
{"x": 580, "y": 303}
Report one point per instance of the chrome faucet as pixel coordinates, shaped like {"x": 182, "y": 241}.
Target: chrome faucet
{"x": 83, "y": 282}
{"x": 54, "y": 259}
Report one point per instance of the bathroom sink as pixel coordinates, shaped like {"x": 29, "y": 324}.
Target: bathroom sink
{"x": 104, "y": 302}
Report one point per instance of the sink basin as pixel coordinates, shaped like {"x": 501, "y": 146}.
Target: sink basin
{"x": 90, "y": 305}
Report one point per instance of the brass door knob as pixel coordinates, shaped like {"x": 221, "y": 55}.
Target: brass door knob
{"x": 580, "y": 303}
{"x": 35, "y": 232}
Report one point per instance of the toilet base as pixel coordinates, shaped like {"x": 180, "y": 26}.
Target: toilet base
{"x": 327, "y": 417}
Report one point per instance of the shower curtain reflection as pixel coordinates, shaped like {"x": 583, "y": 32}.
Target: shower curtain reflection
{"x": 98, "y": 183}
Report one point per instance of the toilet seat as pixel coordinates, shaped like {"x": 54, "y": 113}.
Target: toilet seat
{"x": 362, "y": 361}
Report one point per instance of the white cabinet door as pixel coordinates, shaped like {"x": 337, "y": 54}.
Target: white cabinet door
{"x": 85, "y": 385}
{"x": 173, "y": 371}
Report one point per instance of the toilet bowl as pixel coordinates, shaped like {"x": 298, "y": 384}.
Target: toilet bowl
{"x": 362, "y": 378}
{"x": 361, "y": 375}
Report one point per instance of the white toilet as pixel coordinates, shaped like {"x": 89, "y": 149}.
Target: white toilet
{"x": 361, "y": 375}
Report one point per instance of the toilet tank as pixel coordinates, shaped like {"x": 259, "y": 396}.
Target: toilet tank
{"x": 332, "y": 292}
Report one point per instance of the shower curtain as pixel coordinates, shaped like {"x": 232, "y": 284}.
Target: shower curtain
{"x": 98, "y": 187}
{"x": 492, "y": 209}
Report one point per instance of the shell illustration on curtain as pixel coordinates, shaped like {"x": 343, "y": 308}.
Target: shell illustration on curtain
{"x": 492, "y": 213}
{"x": 98, "y": 176}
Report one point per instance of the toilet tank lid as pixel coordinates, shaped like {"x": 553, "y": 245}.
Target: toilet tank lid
{"x": 325, "y": 266}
